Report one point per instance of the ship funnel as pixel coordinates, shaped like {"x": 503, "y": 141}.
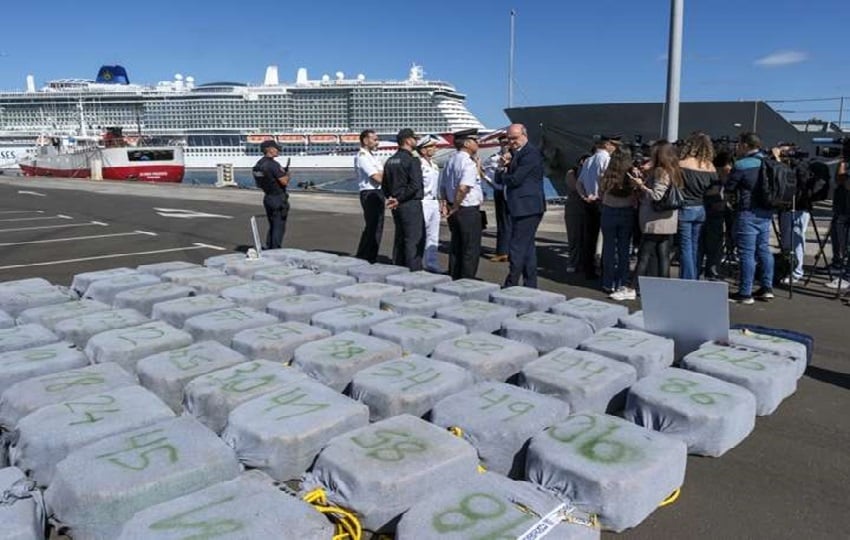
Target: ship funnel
{"x": 30, "y": 84}
{"x": 301, "y": 77}
{"x": 271, "y": 76}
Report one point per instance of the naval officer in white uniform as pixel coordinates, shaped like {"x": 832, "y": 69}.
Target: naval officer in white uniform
{"x": 426, "y": 147}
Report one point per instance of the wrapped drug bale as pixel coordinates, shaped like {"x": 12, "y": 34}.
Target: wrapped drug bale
{"x": 249, "y": 507}
{"x": 104, "y": 290}
{"x": 599, "y": 314}
{"x": 647, "y": 353}
{"x": 350, "y": 319}
{"x": 375, "y": 273}
{"x": 526, "y": 299}
{"x": 166, "y": 374}
{"x": 775, "y": 344}
{"x": 215, "y": 284}
{"x": 339, "y": 265}
{"x": 486, "y": 356}
{"x": 608, "y": 466}
{"x": 276, "y": 342}
{"x": 324, "y": 284}
{"x": 96, "y": 489}
{"x": 22, "y": 364}
{"x": 158, "y": 269}
{"x": 210, "y": 398}
{"x": 81, "y": 282}
{"x": 302, "y": 307}
{"x": 25, "y": 336}
{"x": 420, "y": 280}
{"x": 282, "y": 432}
{"x": 387, "y": 467}
{"x": 218, "y": 262}
{"x": 22, "y": 512}
{"x": 280, "y": 274}
{"x": 30, "y": 395}
{"x": 468, "y": 289}
{"x": 711, "y": 416}
{"x": 177, "y": 312}
{"x": 415, "y": 334}
{"x": 477, "y": 316}
{"x": 126, "y": 346}
{"x": 367, "y": 294}
{"x": 185, "y": 276}
{"x": 257, "y": 294}
{"x": 589, "y": 382}
{"x": 283, "y": 255}
{"x": 7, "y": 321}
{"x": 498, "y": 419}
{"x": 546, "y": 331}
{"x": 418, "y": 302}
{"x": 247, "y": 268}
{"x": 771, "y": 377}
{"x": 311, "y": 259}
{"x": 222, "y": 325}
{"x": 410, "y": 385}
{"x": 49, "y": 316}
{"x": 633, "y": 322}
{"x": 15, "y": 301}
{"x": 23, "y": 284}
{"x": 144, "y": 298}
{"x": 335, "y": 360}
{"x": 490, "y": 506}
{"x": 80, "y": 330}
{"x": 78, "y": 422}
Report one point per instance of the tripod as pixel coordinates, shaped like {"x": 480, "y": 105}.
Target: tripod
{"x": 821, "y": 254}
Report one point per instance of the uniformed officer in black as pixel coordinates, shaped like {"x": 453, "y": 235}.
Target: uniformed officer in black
{"x": 273, "y": 179}
{"x": 403, "y": 188}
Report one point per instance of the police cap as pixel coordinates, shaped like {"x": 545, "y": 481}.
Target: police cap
{"x": 427, "y": 140}
{"x": 466, "y": 134}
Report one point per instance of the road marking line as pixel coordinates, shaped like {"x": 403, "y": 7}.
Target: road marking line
{"x": 217, "y": 248}
{"x": 40, "y": 218}
{"x": 36, "y": 193}
{"x": 113, "y": 256}
{"x": 89, "y": 224}
{"x": 92, "y": 237}
{"x": 21, "y": 211}
{"x": 149, "y": 233}
{"x": 187, "y": 214}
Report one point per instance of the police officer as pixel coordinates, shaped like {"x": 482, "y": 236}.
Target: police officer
{"x": 273, "y": 179}
{"x": 369, "y": 172}
{"x": 427, "y": 147}
{"x": 461, "y": 199}
{"x": 402, "y": 186}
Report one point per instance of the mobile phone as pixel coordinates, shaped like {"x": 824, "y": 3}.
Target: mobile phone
{"x": 288, "y": 161}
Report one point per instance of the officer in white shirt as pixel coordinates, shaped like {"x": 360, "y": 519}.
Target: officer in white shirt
{"x": 460, "y": 200}
{"x": 427, "y": 147}
{"x": 370, "y": 171}
{"x": 588, "y": 189}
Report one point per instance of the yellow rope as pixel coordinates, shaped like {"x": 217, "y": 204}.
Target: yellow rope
{"x": 456, "y": 431}
{"x": 347, "y": 525}
{"x": 671, "y": 498}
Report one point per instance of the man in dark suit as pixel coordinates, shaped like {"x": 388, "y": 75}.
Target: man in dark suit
{"x": 521, "y": 173}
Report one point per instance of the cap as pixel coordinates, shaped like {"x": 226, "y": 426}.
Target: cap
{"x": 269, "y": 144}
{"x": 466, "y": 134}
{"x": 405, "y": 133}
{"x": 610, "y": 138}
{"x": 427, "y": 140}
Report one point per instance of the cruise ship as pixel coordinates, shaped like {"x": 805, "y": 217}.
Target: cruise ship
{"x": 316, "y": 121}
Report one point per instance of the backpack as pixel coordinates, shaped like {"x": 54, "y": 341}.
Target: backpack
{"x": 777, "y": 184}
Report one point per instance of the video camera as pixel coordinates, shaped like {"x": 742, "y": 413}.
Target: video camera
{"x": 832, "y": 147}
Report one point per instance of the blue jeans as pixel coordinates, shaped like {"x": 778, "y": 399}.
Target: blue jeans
{"x": 617, "y": 224}
{"x": 691, "y": 220}
{"x": 752, "y": 231}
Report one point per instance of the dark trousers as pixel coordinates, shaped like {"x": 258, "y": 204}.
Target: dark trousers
{"x": 372, "y": 201}
{"x": 277, "y": 208}
{"x": 712, "y": 243}
{"x": 503, "y": 223}
{"x": 465, "y": 247}
{"x": 592, "y": 222}
{"x": 654, "y": 256}
{"x": 840, "y": 232}
{"x": 409, "y": 241}
{"x": 523, "y": 251}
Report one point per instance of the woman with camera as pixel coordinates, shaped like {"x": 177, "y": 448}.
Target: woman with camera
{"x": 698, "y": 175}
{"x": 618, "y": 202}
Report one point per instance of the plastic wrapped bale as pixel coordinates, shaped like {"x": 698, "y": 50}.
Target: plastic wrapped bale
{"x": 608, "y": 466}
{"x": 282, "y": 432}
{"x": 547, "y": 331}
{"x": 78, "y": 422}
{"x": 248, "y": 507}
{"x": 339, "y": 265}
{"x": 420, "y": 281}
{"x": 81, "y": 282}
{"x": 350, "y": 319}
{"x": 158, "y": 269}
{"x": 49, "y": 316}
{"x": 25, "y": 336}
{"x": 177, "y": 312}
{"x": 647, "y": 353}
{"x": 774, "y": 344}
{"x": 185, "y": 276}
{"x": 498, "y": 419}
{"x": 383, "y": 469}
{"x": 126, "y": 346}
{"x": 215, "y": 284}
{"x": 79, "y": 330}
{"x": 96, "y": 489}
{"x": 415, "y": 334}
{"x": 376, "y": 273}
{"x": 222, "y": 325}
{"x": 22, "y": 511}
{"x": 335, "y": 360}
{"x": 166, "y": 374}
{"x": 210, "y": 398}
{"x": 276, "y": 342}
{"x": 23, "y": 364}
{"x": 218, "y": 262}
{"x": 599, "y": 314}
{"x": 589, "y": 382}
{"x": 486, "y": 356}
{"x": 310, "y": 259}
{"x": 633, "y": 322}
{"x": 477, "y": 316}
{"x": 281, "y": 275}
{"x": 526, "y": 299}
{"x": 769, "y": 376}
{"x": 324, "y": 284}
{"x": 23, "y": 284}
{"x": 302, "y": 307}
{"x": 16, "y": 301}
{"x": 711, "y": 416}
{"x": 283, "y": 255}
{"x": 468, "y": 289}
{"x": 6, "y": 320}
{"x": 246, "y": 268}
{"x": 30, "y": 395}
{"x": 409, "y": 385}
{"x": 489, "y": 506}
{"x": 144, "y": 298}
{"x": 367, "y": 294}
{"x": 418, "y": 302}
{"x": 105, "y": 290}
{"x": 257, "y": 294}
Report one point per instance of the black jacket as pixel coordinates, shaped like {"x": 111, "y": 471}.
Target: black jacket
{"x": 523, "y": 181}
{"x": 403, "y": 177}
{"x": 266, "y": 173}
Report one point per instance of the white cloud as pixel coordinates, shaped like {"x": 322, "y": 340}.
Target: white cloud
{"x": 782, "y": 58}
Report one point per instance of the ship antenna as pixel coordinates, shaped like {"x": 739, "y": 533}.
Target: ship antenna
{"x": 511, "y": 63}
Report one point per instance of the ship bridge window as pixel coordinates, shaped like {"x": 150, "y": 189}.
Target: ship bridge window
{"x": 150, "y": 155}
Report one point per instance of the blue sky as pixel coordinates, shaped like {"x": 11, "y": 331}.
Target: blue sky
{"x": 566, "y": 51}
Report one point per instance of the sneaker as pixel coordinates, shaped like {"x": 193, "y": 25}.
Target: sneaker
{"x": 838, "y": 283}
{"x": 738, "y": 298}
{"x": 623, "y": 294}
{"x": 788, "y": 280}
{"x": 608, "y": 290}
{"x": 764, "y": 294}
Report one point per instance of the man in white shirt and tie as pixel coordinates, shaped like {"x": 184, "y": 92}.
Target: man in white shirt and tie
{"x": 370, "y": 171}
{"x": 427, "y": 147}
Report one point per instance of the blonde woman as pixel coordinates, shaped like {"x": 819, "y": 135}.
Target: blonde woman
{"x": 698, "y": 175}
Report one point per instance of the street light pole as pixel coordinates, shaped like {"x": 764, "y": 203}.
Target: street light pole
{"x": 511, "y": 63}
{"x": 674, "y": 69}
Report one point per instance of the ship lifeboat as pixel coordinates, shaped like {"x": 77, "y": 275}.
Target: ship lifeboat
{"x": 323, "y": 139}
{"x": 350, "y": 138}
{"x": 290, "y": 139}
{"x": 257, "y": 139}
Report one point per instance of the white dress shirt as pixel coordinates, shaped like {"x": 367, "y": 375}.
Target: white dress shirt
{"x": 366, "y": 164}
{"x": 461, "y": 171}
{"x": 592, "y": 171}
